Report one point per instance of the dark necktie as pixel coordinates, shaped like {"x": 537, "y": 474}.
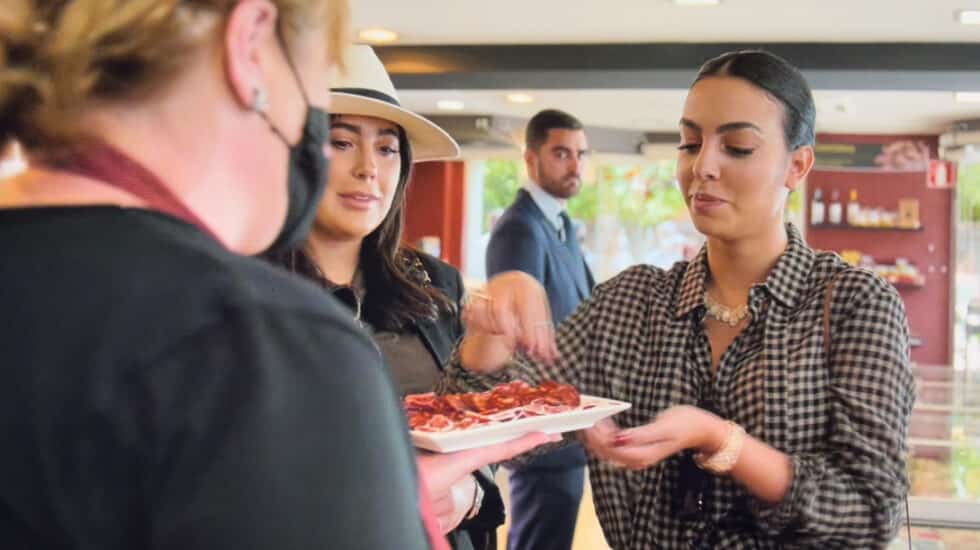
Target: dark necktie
{"x": 566, "y": 227}
{"x": 570, "y": 240}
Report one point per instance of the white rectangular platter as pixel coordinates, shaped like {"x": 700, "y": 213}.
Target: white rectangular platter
{"x": 590, "y": 410}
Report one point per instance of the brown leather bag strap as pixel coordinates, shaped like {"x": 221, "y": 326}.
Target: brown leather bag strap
{"x": 827, "y": 299}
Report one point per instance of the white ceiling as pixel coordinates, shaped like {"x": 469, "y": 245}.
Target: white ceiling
{"x": 753, "y": 21}
{"x": 581, "y": 21}
{"x": 659, "y": 110}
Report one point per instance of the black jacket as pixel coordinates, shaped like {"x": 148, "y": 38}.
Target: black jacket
{"x": 170, "y": 394}
{"x": 440, "y": 337}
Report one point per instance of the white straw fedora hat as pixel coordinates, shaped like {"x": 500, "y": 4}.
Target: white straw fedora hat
{"x": 365, "y": 89}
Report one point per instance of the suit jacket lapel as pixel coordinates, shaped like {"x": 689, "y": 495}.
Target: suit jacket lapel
{"x": 584, "y": 284}
{"x": 568, "y": 258}
{"x": 436, "y": 340}
{"x": 577, "y": 263}
{"x": 531, "y": 209}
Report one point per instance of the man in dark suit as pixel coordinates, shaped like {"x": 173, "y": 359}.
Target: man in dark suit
{"x": 536, "y": 236}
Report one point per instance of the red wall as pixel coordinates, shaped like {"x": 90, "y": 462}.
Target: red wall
{"x": 434, "y": 207}
{"x": 931, "y": 249}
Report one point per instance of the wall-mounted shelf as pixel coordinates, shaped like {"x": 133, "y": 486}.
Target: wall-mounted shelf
{"x": 844, "y": 227}
{"x": 910, "y": 286}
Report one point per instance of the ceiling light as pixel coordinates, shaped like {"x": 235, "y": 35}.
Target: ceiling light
{"x": 520, "y": 98}
{"x": 836, "y": 106}
{"x": 697, "y": 2}
{"x": 378, "y": 36}
{"x": 967, "y": 97}
{"x": 450, "y": 105}
{"x": 968, "y": 17}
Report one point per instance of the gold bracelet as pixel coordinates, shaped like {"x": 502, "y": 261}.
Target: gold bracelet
{"x": 724, "y": 459}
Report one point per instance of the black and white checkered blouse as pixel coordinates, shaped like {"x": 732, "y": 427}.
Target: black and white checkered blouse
{"x": 843, "y": 419}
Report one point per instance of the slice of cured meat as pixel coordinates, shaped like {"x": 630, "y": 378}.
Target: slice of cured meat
{"x": 503, "y": 403}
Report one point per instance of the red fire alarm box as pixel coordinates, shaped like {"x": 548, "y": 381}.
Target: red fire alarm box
{"x": 942, "y": 175}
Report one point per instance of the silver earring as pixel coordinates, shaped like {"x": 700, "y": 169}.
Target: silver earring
{"x": 260, "y": 99}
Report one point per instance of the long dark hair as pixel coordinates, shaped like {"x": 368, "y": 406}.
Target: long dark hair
{"x": 781, "y": 80}
{"x": 398, "y": 291}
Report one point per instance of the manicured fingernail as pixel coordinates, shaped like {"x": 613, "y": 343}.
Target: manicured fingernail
{"x": 621, "y": 440}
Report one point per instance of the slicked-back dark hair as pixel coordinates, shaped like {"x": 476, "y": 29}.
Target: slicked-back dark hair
{"x": 540, "y": 124}
{"x": 778, "y": 78}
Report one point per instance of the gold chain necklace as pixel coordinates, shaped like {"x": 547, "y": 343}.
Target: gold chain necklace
{"x": 731, "y": 316}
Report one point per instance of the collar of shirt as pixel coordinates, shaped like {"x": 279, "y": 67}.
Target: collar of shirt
{"x": 786, "y": 282}
{"x": 548, "y": 204}
{"x": 351, "y": 295}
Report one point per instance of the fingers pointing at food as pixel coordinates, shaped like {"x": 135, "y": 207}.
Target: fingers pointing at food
{"x": 513, "y": 307}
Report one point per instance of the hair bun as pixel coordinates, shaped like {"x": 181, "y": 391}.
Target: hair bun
{"x": 57, "y": 57}
{"x": 20, "y": 85}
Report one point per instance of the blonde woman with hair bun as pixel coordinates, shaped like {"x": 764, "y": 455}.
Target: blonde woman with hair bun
{"x": 162, "y": 388}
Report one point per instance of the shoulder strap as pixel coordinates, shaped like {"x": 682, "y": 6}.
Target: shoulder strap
{"x": 827, "y": 299}
{"x": 828, "y": 296}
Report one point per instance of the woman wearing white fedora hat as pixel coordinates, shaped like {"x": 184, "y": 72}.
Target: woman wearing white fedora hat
{"x": 410, "y": 300}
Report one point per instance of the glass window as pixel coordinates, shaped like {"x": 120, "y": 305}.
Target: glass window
{"x": 628, "y": 212}
{"x": 634, "y": 213}
{"x": 945, "y": 433}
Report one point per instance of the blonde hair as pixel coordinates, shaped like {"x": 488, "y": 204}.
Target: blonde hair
{"x": 57, "y": 57}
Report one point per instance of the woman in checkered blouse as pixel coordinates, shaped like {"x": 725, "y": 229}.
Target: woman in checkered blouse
{"x": 743, "y": 433}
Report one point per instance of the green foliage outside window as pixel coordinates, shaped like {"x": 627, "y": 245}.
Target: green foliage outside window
{"x": 966, "y": 471}
{"x": 640, "y": 196}
{"x": 584, "y": 205}
{"x": 968, "y": 191}
{"x": 501, "y": 181}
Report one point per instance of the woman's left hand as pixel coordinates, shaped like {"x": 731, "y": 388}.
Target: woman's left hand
{"x": 674, "y": 430}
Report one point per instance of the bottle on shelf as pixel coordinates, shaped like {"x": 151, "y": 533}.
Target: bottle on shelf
{"x": 817, "y": 209}
{"x": 834, "y": 211}
{"x": 854, "y": 216}
{"x": 872, "y": 217}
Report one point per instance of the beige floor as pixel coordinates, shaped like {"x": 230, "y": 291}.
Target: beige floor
{"x": 588, "y": 534}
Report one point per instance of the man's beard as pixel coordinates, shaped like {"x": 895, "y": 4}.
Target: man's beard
{"x": 564, "y": 188}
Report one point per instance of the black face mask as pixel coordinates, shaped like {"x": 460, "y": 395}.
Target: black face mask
{"x": 308, "y": 172}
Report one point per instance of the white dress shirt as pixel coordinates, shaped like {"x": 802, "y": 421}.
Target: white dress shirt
{"x": 551, "y": 206}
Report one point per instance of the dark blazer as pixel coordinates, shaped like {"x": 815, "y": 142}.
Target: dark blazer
{"x": 440, "y": 337}
{"x": 523, "y": 239}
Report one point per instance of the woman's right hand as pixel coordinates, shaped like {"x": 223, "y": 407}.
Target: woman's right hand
{"x": 441, "y": 471}
{"x": 511, "y": 313}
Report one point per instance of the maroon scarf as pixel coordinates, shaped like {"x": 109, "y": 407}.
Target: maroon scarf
{"x": 106, "y": 164}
